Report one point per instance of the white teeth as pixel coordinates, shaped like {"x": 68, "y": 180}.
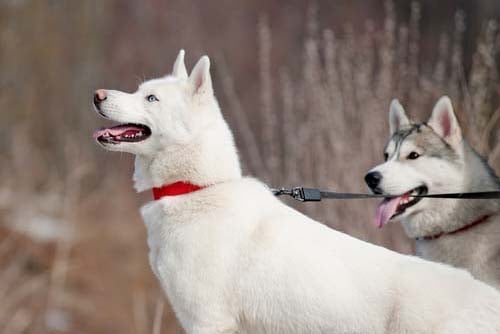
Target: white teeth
{"x": 123, "y": 136}
{"x": 129, "y": 136}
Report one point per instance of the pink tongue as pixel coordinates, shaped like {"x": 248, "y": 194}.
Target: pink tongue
{"x": 115, "y": 131}
{"x": 385, "y": 210}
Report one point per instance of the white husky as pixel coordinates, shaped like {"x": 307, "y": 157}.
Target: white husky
{"x": 232, "y": 258}
{"x": 434, "y": 157}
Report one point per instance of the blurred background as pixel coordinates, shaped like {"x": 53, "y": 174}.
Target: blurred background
{"x": 305, "y": 86}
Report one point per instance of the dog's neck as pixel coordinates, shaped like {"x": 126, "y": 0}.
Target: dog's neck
{"x": 174, "y": 189}
{"x": 466, "y": 228}
{"x": 208, "y": 159}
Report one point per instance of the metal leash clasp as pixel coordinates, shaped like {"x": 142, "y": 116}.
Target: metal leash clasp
{"x": 299, "y": 193}
{"x": 295, "y": 193}
{"x": 282, "y": 191}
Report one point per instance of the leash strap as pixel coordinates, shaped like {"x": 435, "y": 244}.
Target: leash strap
{"x": 315, "y": 195}
{"x": 476, "y": 195}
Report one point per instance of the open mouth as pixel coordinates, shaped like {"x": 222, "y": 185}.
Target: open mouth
{"x": 392, "y": 207}
{"x": 129, "y": 133}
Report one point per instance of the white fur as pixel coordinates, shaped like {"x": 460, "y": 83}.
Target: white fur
{"x": 474, "y": 249}
{"x": 445, "y": 123}
{"x": 179, "y": 70}
{"x": 232, "y": 258}
{"x": 397, "y": 116}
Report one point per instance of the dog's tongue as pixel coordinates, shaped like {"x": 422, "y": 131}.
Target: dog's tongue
{"x": 118, "y": 130}
{"x": 386, "y": 210}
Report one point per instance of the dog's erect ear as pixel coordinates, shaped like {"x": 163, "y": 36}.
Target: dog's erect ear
{"x": 179, "y": 69}
{"x": 444, "y": 122}
{"x": 200, "y": 79}
{"x": 397, "y": 116}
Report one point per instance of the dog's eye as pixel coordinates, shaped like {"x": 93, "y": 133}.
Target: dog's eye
{"x": 413, "y": 155}
{"x": 151, "y": 98}
{"x": 386, "y": 156}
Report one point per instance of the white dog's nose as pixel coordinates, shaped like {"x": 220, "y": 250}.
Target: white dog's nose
{"x": 99, "y": 96}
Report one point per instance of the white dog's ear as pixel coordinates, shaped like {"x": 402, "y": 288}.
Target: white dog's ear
{"x": 444, "y": 122}
{"x": 179, "y": 69}
{"x": 397, "y": 116}
{"x": 200, "y": 79}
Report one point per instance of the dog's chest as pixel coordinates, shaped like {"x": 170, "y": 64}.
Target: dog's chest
{"x": 191, "y": 255}
{"x": 173, "y": 247}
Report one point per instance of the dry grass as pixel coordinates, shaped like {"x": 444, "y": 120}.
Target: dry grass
{"x": 73, "y": 254}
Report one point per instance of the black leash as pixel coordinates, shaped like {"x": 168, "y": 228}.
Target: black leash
{"x": 315, "y": 195}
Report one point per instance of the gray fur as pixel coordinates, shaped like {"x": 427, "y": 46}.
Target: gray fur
{"x": 427, "y": 140}
{"x": 445, "y": 166}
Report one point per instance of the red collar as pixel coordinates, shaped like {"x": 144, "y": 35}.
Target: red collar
{"x": 174, "y": 189}
{"x": 466, "y": 227}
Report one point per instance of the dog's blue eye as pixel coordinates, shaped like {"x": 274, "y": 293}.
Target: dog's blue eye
{"x": 151, "y": 98}
{"x": 413, "y": 155}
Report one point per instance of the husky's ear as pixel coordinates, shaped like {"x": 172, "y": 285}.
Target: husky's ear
{"x": 397, "y": 116}
{"x": 200, "y": 79}
{"x": 444, "y": 122}
{"x": 179, "y": 69}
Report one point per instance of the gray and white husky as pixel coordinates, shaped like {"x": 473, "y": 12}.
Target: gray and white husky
{"x": 434, "y": 157}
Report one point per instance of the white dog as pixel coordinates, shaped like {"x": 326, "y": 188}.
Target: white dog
{"x": 232, "y": 258}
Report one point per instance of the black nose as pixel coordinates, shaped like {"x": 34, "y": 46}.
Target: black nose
{"x": 372, "y": 179}
{"x": 99, "y": 96}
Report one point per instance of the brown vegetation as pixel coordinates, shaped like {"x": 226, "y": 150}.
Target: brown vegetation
{"x": 308, "y": 110}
